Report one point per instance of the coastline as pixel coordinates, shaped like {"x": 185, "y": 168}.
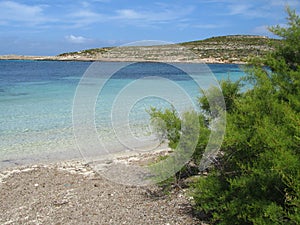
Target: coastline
{"x": 71, "y": 191}
{"x": 77, "y": 163}
{"x": 209, "y": 60}
{"x": 230, "y": 49}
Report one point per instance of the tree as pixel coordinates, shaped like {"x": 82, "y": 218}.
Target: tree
{"x": 259, "y": 180}
{"x": 256, "y": 179}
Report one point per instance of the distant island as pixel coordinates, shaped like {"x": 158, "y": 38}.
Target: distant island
{"x": 223, "y": 49}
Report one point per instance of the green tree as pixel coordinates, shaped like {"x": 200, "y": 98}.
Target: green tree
{"x": 259, "y": 178}
{"x": 256, "y": 178}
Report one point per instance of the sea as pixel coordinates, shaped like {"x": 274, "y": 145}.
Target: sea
{"x": 54, "y": 110}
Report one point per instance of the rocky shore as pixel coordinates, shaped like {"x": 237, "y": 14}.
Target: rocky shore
{"x": 73, "y": 193}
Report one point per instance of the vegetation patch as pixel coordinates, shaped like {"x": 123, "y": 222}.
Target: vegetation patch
{"x": 255, "y": 178}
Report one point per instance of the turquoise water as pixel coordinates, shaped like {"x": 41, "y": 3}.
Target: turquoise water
{"x": 36, "y": 102}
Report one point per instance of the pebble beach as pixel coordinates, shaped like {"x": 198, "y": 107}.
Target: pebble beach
{"x": 71, "y": 192}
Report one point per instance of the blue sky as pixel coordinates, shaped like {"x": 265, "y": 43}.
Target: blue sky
{"x": 50, "y": 27}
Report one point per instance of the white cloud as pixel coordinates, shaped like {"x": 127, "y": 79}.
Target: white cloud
{"x": 129, "y": 14}
{"x": 85, "y": 4}
{"x": 249, "y": 10}
{"x": 239, "y": 9}
{"x": 11, "y": 11}
{"x": 283, "y": 3}
{"x": 85, "y": 17}
{"x": 90, "y": 3}
{"x": 87, "y": 14}
{"x": 163, "y": 14}
{"x": 258, "y": 9}
{"x": 208, "y": 26}
{"x": 77, "y": 39}
{"x": 252, "y": 9}
{"x": 102, "y": 1}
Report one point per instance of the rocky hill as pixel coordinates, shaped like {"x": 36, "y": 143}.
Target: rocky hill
{"x": 231, "y": 48}
{"x": 224, "y": 49}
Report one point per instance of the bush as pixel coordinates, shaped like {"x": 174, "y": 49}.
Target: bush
{"x": 256, "y": 179}
{"x": 187, "y": 137}
{"x": 259, "y": 180}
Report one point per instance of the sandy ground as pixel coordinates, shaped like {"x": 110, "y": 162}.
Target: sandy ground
{"x": 72, "y": 193}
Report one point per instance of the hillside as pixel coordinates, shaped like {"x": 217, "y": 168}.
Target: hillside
{"x": 231, "y": 48}
{"x": 224, "y": 49}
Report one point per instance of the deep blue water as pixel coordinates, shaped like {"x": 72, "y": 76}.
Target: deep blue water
{"x": 36, "y": 101}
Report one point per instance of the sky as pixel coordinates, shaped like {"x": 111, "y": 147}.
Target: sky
{"x": 51, "y": 27}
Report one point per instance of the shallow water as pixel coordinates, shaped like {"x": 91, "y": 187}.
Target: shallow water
{"x": 36, "y": 102}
